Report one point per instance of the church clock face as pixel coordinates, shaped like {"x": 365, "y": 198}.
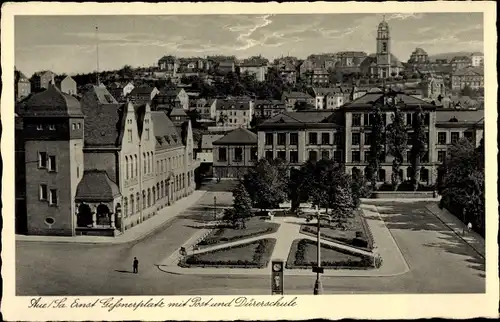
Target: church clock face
{"x": 277, "y": 267}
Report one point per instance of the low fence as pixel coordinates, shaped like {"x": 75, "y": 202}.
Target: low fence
{"x": 403, "y": 195}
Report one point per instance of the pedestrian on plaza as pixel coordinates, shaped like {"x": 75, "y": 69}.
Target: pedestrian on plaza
{"x": 136, "y": 265}
{"x": 469, "y": 226}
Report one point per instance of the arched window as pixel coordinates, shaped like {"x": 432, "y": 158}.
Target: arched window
{"x": 138, "y": 203}
{"x": 136, "y": 165}
{"x": 132, "y": 209}
{"x": 144, "y": 200}
{"x": 381, "y": 175}
{"x": 131, "y": 166}
{"x": 157, "y": 166}
{"x": 127, "y": 168}
{"x": 154, "y": 195}
{"x": 145, "y": 163}
{"x": 162, "y": 189}
{"x": 125, "y": 206}
{"x": 157, "y": 191}
{"x": 149, "y": 162}
{"x": 149, "y": 197}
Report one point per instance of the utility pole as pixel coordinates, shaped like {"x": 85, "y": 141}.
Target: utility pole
{"x": 97, "y": 54}
{"x": 318, "y": 287}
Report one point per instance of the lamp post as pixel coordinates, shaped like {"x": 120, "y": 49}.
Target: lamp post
{"x": 215, "y": 208}
{"x": 318, "y": 288}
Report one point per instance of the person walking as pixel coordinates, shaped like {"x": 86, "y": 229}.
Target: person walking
{"x": 136, "y": 265}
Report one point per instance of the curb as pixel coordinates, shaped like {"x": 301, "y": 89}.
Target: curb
{"x": 456, "y": 233}
{"x": 112, "y": 242}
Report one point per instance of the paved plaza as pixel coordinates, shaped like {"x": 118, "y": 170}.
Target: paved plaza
{"x": 420, "y": 244}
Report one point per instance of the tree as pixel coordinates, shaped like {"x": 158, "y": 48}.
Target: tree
{"x": 222, "y": 119}
{"x": 467, "y": 91}
{"x": 327, "y": 185}
{"x": 463, "y": 183}
{"x": 418, "y": 141}
{"x": 242, "y": 206}
{"x": 359, "y": 187}
{"x": 194, "y": 116}
{"x": 267, "y": 183}
{"x": 377, "y": 142}
{"x": 397, "y": 141}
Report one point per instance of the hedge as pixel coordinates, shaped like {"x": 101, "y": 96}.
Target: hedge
{"x": 405, "y": 186}
{"x": 212, "y": 239}
{"x": 260, "y": 258}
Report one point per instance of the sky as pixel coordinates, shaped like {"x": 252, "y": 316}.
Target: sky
{"x": 67, "y": 44}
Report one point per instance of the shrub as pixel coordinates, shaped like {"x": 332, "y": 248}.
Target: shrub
{"x": 360, "y": 242}
{"x": 359, "y": 234}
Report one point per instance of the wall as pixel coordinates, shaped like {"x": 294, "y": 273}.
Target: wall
{"x": 38, "y": 211}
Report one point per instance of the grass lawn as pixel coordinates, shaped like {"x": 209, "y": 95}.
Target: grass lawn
{"x": 253, "y": 255}
{"x": 330, "y": 257}
{"x": 254, "y": 227}
{"x": 330, "y": 231}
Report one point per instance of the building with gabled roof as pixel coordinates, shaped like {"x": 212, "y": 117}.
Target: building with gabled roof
{"x": 234, "y": 153}
{"x": 470, "y": 76}
{"x": 22, "y": 86}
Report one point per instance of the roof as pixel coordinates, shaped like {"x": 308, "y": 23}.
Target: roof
{"x": 170, "y": 92}
{"x": 296, "y": 95}
{"x": 372, "y": 59}
{"x": 232, "y": 104}
{"x": 19, "y": 76}
{"x": 460, "y": 58}
{"x": 370, "y": 98}
{"x": 208, "y": 139}
{"x": 327, "y": 91}
{"x": 140, "y": 111}
{"x": 52, "y": 102}
{"x": 142, "y": 90}
{"x": 165, "y": 131}
{"x": 419, "y": 51}
{"x": 168, "y": 58}
{"x": 469, "y": 71}
{"x": 226, "y": 63}
{"x": 311, "y": 116}
{"x": 96, "y": 186}
{"x": 238, "y": 136}
{"x": 178, "y": 112}
{"x": 102, "y": 94}
{"x": 463, "y": 116}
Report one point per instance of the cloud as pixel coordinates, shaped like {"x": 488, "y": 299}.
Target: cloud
{"x": 404, "y": 16}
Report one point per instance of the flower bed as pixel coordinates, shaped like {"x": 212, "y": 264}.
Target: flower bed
{"x": 356, "y": 235}
{"x": 254, "y": 227}
{"x": 303, "y": 256}
{"x": 255, "y": 254}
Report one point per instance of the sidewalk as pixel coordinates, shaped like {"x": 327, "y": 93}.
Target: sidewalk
{"x": 135, "y": 233}
{"x": 393, "y": 261}
{"x": 473, "y": 239}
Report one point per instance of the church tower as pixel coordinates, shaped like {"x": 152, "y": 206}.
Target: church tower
{"x": 53, "y": 133}
{"x": 383, "y": 50}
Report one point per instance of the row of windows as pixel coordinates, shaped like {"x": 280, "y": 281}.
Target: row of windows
{"x": 293, "y": 156}
{"x": 49, "y": 195}
{"x": 233, "y": 113}
{"x": 46, "y": 161}
{"x": 132, "y": 165}
{"x": 238, "y": 154}
{"x": 313, "y": 138}
{"x": 454, "y": 137}
{"x": 369, "y": 118}
{"x": 130, "y": 135}
{"x": 52, "y": 127}
{"x": 356, "y": 156}
{"x": 152, "y": 195}
{"x": 381, "y": 175}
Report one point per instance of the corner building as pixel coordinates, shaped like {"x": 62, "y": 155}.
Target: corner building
{"x": 344, "y": 135}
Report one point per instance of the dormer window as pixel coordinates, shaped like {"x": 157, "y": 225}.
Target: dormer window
{"x": 39, "y": 127}
{"x": 453, "y": 119}
{"x": 52, "y": 127}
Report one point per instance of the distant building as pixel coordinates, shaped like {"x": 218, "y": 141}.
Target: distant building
{"x": 234, "y": 154}
{"x": 206, "y": 107}
{"x": 268, "y": 108}
{"x": 226, "y": 66}
{"x": 169, "y": 64}
{"x": 433, "y": 86}
{"x": 41, "y": 80}
{"x": 472, "y": 77}
{"x": 234, "y": 113}
{"x": 319, "y": 77}
{"x": 143, "y": 94}
{"x": 460, "y": 62}
{"x": 477, "y": 59}
{"x": 292, "y": 98}
{"x": 205, "y": 155}
{"x": 288, "y": 72}
{"x": 22, "y": 86}
{"x": 418, "y": 56}
{"x": 328, "y": 98}
{"x": 259, "y": 69}
{"x": 382, "y": 64}
{"x": 171, "y": 98}
{"x": 68, "y": 85}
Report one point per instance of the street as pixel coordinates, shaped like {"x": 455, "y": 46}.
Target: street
{"x": 439, "y": 262}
